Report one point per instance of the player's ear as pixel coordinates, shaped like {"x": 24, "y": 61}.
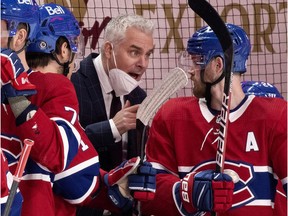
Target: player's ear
{"x": 19, "y": 39}
{"x": 219, "y": 64}
{"x": 65, "y": 52}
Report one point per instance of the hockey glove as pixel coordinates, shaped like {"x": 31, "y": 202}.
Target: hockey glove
{"x": 204, "y": 191}
{"x": 14, "y": 80}
{"x": 143, "y": 183}
{"x": 117, "y": 183}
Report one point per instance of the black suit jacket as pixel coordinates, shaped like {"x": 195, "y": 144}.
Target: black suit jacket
{"x": 93, "y": 115}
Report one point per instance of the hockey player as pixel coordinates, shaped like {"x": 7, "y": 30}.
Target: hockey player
{"x": 183, "y": 136}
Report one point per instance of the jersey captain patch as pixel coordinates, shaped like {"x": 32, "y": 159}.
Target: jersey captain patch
{"x": 251, "y": 143}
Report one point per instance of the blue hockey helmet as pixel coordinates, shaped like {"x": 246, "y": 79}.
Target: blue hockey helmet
{"x": 260, "y": 88}
{"x": 55, "y": 21}
{"x": 15, "y": 12}
{"x": 204, "y": 42}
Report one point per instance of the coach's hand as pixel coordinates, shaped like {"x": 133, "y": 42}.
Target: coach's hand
{"x": 125, "y": 119}
{"x": 205, "y": 191}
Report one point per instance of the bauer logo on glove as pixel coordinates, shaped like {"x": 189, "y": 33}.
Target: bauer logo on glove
{"x": 204, "y": 191}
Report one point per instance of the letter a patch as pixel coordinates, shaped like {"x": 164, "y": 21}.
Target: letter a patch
{"x": 251, "y": 143}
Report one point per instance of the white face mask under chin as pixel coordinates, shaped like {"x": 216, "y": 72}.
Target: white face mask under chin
{"x": 121, "y": 82}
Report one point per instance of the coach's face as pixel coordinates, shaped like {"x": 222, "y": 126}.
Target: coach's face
{"x": 4, "y": 34}
{"x": 133, "y": 53}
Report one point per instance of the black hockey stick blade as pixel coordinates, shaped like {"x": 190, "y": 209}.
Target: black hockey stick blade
{"x": 213, "y": 19}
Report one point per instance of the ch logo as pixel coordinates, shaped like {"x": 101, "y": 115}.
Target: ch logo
{"x": 12, "y": 147}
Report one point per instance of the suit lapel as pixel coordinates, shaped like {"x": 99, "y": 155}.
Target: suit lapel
{"x": 93, "y": 86}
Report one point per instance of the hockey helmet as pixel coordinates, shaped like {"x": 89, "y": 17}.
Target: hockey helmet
{"x": 205, "y": 43}
{"x": 260, "y": 88}
{"x": 55, "y": 21}
{"x": 15, "y": 12}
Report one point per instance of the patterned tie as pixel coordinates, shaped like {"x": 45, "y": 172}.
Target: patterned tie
{"x": 115, "y": 105}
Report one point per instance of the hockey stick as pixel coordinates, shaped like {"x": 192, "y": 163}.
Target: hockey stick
{"x": 18, "y": 174}
{"x": 212, "y": 18}
{"x": 175, "y": 80}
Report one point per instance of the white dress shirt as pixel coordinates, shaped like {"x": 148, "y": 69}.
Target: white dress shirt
{"x": 107, "y": 95}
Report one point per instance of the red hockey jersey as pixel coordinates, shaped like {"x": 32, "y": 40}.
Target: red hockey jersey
{"x": 183, "y": 138}
{"x": 62, "y": 156}
{"x": 56, "y": 138}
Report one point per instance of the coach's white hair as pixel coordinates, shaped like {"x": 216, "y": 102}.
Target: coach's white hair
{"x": 116, "y": 29}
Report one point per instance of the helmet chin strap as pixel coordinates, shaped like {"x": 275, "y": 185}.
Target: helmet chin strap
{"x": 209, "y": 85}
{"x": 65, "y": 65}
